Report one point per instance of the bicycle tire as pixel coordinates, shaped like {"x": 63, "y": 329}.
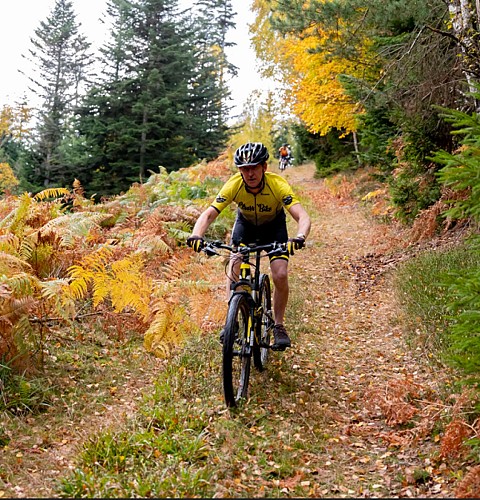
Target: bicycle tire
{"x": 236, "y": 361}
{"x": 264, "y": 324}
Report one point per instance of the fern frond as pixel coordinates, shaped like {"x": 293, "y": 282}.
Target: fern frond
{"x": 18, "y": 216}
{"x": 10, "y": 263}
{"x": 153, "y": 244}
{"x": 27, "y": 247}
{"x": 154, "y": 336}
{"x": 98, "y": 260}
{"x": 51, "y": 193}
{"x": 22, "y": 331}
{"x": 167, "y": 328}
{"x": 87, "y": 272}
{"x": 15, "y": 308}
{"x": 21, "y": 284}
{"x": 78, "y": 287}
{"x": 9, "y": 243}
{"x": 129, "y": 287}
{"x": 69, "y": 226}
{"x": 59, "y": 293}
{"x": 53, "y": 288}
{"x": 179, "y": 231}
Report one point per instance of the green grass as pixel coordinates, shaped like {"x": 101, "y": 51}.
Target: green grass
{"x": 183, "y": 442}
{"x": 20, "y": 395}
{"x": 425, "y": 297}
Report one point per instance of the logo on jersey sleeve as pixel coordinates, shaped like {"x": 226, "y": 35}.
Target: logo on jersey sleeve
{"x": 287, "y": 200}
{"x": 220, "y": 199}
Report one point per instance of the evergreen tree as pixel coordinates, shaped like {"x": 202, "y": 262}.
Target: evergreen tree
{"x": 62, "y": 57}
{"x": 159, "y": 101}
{"x": 209, "y": 89}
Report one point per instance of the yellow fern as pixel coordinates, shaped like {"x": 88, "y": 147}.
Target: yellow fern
{"x": 122, "y": 281}
{"x": 51, "y": 193}
{"x": 166, "y": 330}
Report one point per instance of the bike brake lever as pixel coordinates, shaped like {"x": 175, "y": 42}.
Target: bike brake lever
{"x": 282, "y": 247}
{"x": 210, "y": 252}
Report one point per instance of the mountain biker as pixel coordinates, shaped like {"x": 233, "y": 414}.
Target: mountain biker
{"x": 285, "y": 158}
{"x": 284, "y": 151}
{"x": 261, "y": 199}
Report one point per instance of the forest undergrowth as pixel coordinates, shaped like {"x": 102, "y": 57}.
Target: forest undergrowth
{"x": 351, "y": 410}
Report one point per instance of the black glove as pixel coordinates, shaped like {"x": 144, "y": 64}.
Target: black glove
{"x": 196, "y": 242}
{"x": 295, "y": 244}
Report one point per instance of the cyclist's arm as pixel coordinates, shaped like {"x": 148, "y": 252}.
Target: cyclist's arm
{"x": 204, "y": 221}
{"x": 302, "y": 218}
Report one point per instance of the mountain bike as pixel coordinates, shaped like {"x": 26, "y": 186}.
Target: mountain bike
{"x": 249, "y": 325}
{"x": 284, "y": 162}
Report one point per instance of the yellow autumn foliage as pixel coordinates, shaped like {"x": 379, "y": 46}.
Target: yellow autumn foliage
{"x": 318, "y": 96}
{"x": 121, "y": 281}
{"x": 7, "y": 178}
{"x": 310, "y": 71}
{"x": 14, "y": 121}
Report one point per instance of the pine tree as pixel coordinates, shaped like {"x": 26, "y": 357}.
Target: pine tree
{"x": 62, "y": 57}
{"x": 209, "y": 89}
{"x": 159, "y": 101}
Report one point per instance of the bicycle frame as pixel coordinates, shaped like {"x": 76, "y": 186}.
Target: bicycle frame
{"x": 247, "y": 285}
{"x": 250, "y": 287}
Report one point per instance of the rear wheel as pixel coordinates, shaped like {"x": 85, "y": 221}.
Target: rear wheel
{"x": 236, "y": 358}
{"x": 264, "y": 325}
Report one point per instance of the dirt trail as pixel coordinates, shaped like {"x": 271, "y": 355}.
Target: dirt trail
{"x": 364, "y": 404}
{"x": 379, "y": 401}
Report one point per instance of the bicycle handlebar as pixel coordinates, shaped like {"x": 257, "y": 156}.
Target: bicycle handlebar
{"x": 211, "y": 247}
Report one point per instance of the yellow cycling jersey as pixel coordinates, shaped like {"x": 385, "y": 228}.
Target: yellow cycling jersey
{"x": 257, "y": 208}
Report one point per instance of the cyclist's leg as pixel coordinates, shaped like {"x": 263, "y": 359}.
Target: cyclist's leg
{"x": 279, "y": 268}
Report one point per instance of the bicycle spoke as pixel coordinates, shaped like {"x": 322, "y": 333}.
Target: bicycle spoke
{"x": 264, "y": 325}
{"x": 236, "y": 360}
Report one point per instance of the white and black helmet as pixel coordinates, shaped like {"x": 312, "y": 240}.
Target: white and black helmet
{"x": 251, "y": 153}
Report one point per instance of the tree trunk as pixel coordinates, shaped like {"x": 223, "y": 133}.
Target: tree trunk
{"x": 461, "y": 16}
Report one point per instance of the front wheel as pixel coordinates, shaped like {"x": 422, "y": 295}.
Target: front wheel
{"x": 264, "y": 325}
{"x": 236, "y": 355}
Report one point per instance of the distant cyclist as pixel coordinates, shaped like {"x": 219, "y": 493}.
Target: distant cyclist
{"x": 284, "y": 154}
{"x": 261, "y": 199}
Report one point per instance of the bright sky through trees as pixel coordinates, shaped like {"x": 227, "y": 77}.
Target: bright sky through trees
{"x": 22, "y": 17}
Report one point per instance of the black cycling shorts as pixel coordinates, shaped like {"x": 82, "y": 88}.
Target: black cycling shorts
{"x": 274, "y": 231}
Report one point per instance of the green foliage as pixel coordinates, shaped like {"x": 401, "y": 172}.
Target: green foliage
{"x": 331, "y": 152}
{"x": 464, "y": 288}
{"x": 461, "y": 174}
{"x": 20, "y": 395}
{"x": 461, "y": 171}
{"x": 412, "y": 192}
{"x": 162, "y": 104}
{"x": 413, "y": 184}
{"x": 440, "y": 299}
{"x": 62, "y": 57}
